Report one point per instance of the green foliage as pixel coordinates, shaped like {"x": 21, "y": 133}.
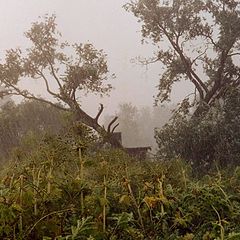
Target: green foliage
{"x": 60, "y": 186}
{"x": 197, "y": 41}
{"x": 207, "y": 142}
{"x": 40, "y": 196}
{"x": 84, "y": 71}
{"x": 16, "y": 121}
{"x": 68, "y": 73}
{"x": 83, "y": 227}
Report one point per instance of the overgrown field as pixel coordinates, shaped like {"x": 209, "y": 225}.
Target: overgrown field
{"x": 64, "y": 173}
{"x": 58, "y": 191}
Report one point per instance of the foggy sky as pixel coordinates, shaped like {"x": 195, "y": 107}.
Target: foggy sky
{"x": 101, "y": 22}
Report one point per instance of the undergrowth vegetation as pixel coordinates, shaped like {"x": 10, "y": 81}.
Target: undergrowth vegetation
{"x": 64, "y": 175}
{"x": 62, "y": 189}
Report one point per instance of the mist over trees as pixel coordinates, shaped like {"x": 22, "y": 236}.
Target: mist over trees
{"x": 64, "y": 175}
{"x": 138, "y": 125}
{"x": 67, "y": 77}
{"x": 18, "y": 121}
{"x": 203, "y": 48}
{"x": 5, "y": 99}
{"x": 203, "y": 45}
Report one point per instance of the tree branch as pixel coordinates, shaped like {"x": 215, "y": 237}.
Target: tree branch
{"x": 26, "y": 95}
{"x": 199, "y": 56}
{"x": 73, "y": 94}
{"x": 219, "y": 83}
{"x": 190, "y": 73}
{"x": 47, "y": 85}
{"x": 233, "y": 54}
{"x": 54, "y": 74}
{"x": 115, "y": 127}
{"x": 211, "y": 40}
{"x": 100, "y": 112}
{"x": 50, "y": 64}
{"x": 111, "y": 123}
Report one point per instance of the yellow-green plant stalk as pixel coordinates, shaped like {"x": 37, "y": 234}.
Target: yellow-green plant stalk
{"x": 149, "y": 202}
{"x": 220, "y": 223}
{"x": 81, "y": 178}
{"x": 184, "y": 178}
{"x": 36, "y": 182}
{"x": 49, "y": 176}
{"x": 161, "y": 194}
{"x": 21, "y": 204}
{"x": 14, "y": 232}
{"x": 34, "y": 191}
{"x": 11, "y": 181}
{"x": 105, "y": 202}
{"x": 104, "y": 168}
{"x": 136, "y": 205}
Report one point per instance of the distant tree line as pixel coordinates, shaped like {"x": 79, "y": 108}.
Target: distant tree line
{"x": 138, "y": 125}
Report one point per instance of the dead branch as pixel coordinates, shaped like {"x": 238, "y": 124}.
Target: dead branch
{"x": 115, "y": 127}
{"x": 99, "y": 112}
{"x": 111, "y": 123}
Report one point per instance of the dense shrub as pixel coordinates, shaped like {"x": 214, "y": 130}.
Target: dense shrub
{"x": 25, "y": 118}
{"x": 207, "y": 141}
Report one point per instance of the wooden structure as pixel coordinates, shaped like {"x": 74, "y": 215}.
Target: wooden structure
{"x": 136, "y": 152}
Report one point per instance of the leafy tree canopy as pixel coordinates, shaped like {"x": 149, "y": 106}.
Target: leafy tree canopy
{"x": 197, "y": 41}
{"x": 67, "y": 77}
